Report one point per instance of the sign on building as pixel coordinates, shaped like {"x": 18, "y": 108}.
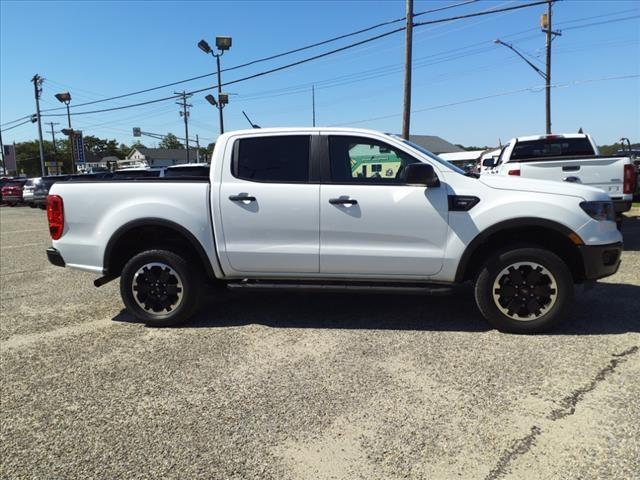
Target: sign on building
{"x": 78, "y": 147}
{"x": 9, "y": 157}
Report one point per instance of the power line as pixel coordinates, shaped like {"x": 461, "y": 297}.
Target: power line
{"x": 534, "y": 89}
{"x": 16, "y": 126}
{"x": 315, "y": 57}
{"x": 16, "y": 120}
{"x": 264, "y": 59}
{"x": 478, "y": 14}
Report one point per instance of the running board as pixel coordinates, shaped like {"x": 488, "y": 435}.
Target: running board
{"x": 337, "y": 287}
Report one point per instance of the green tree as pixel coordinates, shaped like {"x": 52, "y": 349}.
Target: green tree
{"x": 170, "y": 141}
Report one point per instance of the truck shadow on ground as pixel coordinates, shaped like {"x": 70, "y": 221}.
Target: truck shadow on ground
{"x": 605, "y": 309}
{"x": 631, "y": 233}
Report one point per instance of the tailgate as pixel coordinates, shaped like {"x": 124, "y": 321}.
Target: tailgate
{"x": 604, "y": 173}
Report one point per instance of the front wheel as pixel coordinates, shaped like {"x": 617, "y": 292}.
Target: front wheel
{"x": 524, "y": 290}
{"x": 160, "y": 288}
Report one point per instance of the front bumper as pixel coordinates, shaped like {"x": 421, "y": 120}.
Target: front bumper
{"x": 600, "y": 260}
{"x": 55, "y": 257}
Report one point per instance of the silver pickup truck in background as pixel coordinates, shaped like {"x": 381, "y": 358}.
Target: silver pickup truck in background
{"x": 572, "y": 157}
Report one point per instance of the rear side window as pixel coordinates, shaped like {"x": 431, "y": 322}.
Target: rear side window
{"x": 272, "y": 159}
{"x": 552, "y": 147}
{"x": 202, "y": 171}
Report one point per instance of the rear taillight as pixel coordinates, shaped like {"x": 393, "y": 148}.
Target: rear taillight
{"x": 514, "y": 172}
{"x": 55, "y": 215}
{"x": 629, "y": 184}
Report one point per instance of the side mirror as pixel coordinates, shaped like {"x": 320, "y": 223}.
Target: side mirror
{"x": 489, "y": 162}
{"x": 421, "y": 174}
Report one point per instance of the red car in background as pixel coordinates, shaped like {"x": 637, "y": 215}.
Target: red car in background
{"x": 12, "y": 191}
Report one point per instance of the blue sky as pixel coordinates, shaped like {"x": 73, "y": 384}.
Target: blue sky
{"x": 101, "y": 49}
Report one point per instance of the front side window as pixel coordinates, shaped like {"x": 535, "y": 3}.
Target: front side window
{"x": 363, "y": 160}
{"x": 273, "y": 159}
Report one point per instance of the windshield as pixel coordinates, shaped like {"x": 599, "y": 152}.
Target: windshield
{"x": 433, "y": 156}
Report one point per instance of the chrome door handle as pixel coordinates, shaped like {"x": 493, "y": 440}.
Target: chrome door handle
{"x": 242, "y": 198}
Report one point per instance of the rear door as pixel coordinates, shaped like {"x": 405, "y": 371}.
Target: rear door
{"x": 371, "y": 222}
{"x": 269, "y": 206}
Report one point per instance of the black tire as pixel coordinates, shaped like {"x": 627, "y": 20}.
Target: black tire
{"x": 156, "y": 284}
{"x": 507, "y": 307}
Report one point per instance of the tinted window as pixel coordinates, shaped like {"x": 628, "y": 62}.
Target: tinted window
{"x": 551, "y": 147}
{"x": 273, "y": 159}
{"x": 201, "y": 171}
{"x": 362, "y": 160}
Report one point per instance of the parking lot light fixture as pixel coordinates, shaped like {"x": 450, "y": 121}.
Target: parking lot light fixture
{"x": 65, "y": 97}
{"x": 204, "y": 46}
{"x": 211, "y": 99}
{"x": 223, "y": 43}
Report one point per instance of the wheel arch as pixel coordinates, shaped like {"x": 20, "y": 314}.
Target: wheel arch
{"x": 147, "y": 233}
{"x": 533, "y": 231}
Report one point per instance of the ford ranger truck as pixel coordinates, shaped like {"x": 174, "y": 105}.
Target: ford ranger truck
{"x": 571, "y": 157}
{"x": 335, "y": 208}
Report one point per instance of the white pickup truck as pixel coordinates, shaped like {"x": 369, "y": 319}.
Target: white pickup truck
{"x": 570, "y": 157}
{"x": 326, "y": 208}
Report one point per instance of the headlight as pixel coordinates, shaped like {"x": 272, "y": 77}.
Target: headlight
{"x": 600, "y": 211}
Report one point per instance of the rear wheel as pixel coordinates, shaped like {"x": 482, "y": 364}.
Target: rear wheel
{"x": 524, "y": 290}
{"x": 160, "y": 288}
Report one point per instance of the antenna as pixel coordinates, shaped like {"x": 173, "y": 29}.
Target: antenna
{"x": 253, "y": 125}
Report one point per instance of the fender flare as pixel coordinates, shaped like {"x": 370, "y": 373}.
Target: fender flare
{"x": 157, "y": 222}
{"x": 501, "y": 227}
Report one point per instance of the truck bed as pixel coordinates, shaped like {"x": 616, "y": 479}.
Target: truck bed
{"x": 96, "y": 209}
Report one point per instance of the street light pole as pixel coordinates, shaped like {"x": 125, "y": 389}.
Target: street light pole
{"x": 219, "y": 91}
{"x": 65, "y": 97}
{"x": 222, "y": 44}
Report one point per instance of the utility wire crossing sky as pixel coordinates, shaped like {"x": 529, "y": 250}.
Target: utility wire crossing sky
{"x": 369, "y": 97}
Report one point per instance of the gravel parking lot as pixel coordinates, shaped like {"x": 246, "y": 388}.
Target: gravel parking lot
{"x": 309, "y": 386}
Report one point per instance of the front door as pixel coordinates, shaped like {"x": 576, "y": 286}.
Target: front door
{"x": 270, "y": 211}
{"x": 371, "y": 222}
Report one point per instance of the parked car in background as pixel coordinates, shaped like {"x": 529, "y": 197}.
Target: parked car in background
{"x": 41, "y": 189}
{"x": 12, "y": 191}
{"x": 3, "y": 182}
{"x": 294, "y": 208}
{"x": 27, "y": 191}
{"x": 574, "y": 158}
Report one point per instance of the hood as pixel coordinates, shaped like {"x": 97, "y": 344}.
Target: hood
{"x": 501, "y": 182}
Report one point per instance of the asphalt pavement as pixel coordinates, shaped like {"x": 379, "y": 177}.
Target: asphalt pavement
{"x": 309, "y": 386}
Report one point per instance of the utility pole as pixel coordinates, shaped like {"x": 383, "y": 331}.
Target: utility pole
{"x": 547, "y": 27}
{"x": 548, "y": 73}
{"x": 406, "y": 110}
{"x": 53, "y": 140}
{"x": 313, "y": 103}
{"x": 197, "y": 149}
{"x": 4, "y": 170}
{"x": 185, "y": 114}
{"x": 37, "y": 89}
